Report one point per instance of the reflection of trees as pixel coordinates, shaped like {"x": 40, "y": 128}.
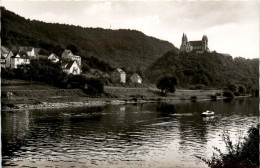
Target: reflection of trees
{"x": 15, "y": 128}
{"x": 165, "y": 109}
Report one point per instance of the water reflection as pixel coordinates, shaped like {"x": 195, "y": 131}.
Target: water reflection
{"x": 155, "y": 133}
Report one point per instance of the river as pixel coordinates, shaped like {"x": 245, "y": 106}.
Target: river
{"x": 132, "y": 135}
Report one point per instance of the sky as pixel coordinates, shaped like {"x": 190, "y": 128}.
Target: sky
{"x": 232, "y": 27}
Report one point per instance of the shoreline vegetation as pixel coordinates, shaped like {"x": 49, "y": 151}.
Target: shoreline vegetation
{"x": 42, "y": 96}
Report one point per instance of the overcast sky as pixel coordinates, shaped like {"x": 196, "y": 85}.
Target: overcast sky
{"x": 231, "y": 26}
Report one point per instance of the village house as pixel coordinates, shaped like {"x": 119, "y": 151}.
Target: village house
{"x": 135, "y": 78}
{"x": 118, "y": 75}
{"x": 71, "y": 67}
{"x": 54, "y": 58}
{"x": 5, "y": 54}
{"x": 17, "y": 60}
{"x": 31, "y": 52}
{"x": 68, "y": 55}
{"x": 197, "y": 46}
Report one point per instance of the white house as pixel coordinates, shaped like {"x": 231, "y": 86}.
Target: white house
{"x": 118, "y": 75}
{"x": 67, "y": 54}
{"x": 18, "y": 60}
{"x": 136, "y": 78}
{"x": 71, "y": 67}
{"x": 54, "y": 58}
{"x": 31, "y": 52}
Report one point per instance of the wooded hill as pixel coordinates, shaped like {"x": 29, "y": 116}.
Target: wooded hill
{"x": 120, "y": 48}
{"x": 209, "y": 69}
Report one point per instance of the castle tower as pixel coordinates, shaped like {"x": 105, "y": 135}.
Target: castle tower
{"x": 205, "y": 43}
{"x": 184, "y": 42}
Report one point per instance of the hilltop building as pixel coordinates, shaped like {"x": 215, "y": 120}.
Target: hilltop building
{"x": 197, "y": 46}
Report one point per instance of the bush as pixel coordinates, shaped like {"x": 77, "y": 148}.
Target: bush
{"x": 218, "y": 94}
{"x": 94, "y": 87}
{"x": 244, "y": 154}
{"x": 228, "y": 94}
{"x": 192, "y": 87}
{"x": 199, "y": 87}
{"x": 193, "y": 98}
{"x": 167, "y": 84}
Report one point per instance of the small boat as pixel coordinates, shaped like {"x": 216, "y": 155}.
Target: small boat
{"x": 207, "y": 113}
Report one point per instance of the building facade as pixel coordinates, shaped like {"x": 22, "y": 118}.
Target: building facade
{"x": 135, "y": 78}
{"x": 17, "y": 60}
{"x": 67, "y": 54}
{"x": 200, "y": 46}
{"x": 54, "y": 58}
{"x": 71, "y": 67}
{"x": 119, "y": 75}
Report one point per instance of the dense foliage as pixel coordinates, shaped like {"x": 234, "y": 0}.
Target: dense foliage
{"x": 167, "y": 84}
{"x": 208, "y": 69}
{"x": 244, "y": 154}
{"x": 90, "y": 86}
{"x": 41, "y": 69}
{"x": 120, "y": 48}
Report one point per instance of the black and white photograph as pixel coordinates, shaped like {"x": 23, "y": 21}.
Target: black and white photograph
{"x": 130, "y": 84}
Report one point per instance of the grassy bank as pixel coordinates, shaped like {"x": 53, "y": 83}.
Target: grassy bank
{"x": 36, "y": 93}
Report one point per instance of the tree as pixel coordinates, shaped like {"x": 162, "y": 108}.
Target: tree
{"x": 241, "y": 89}
{"x": 232, "y": 87}
{"x": 167, "y": 84}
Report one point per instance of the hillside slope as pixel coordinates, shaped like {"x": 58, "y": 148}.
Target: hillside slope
{"x": 209, "y": 69}
{"x": 120, "y": 48}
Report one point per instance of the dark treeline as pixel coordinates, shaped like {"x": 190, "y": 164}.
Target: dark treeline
{"x": 119, "y": 48}
{"x": 206, "y": 70}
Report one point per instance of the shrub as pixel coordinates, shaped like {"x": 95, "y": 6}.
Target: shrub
{"x": 244, "y": 154}
{"x": 94, "y": 87}
{"x": 192, "y": 87}
{"x": 199, "y": 87}
{"x": 193, "y": 98}
{"x": 228, "y": 94}
{"x": 218, "y": 94}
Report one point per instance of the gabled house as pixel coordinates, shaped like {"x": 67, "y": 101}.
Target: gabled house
{"x": 71, "y": 67}
{"x": 135, "y": 78}
{"x": 54, "y": 58}
{"x": 68, "y": 55}
{"x": 118, "y": 75}
{"x": 17, "y": 60}
{"x": 5, "y": 56}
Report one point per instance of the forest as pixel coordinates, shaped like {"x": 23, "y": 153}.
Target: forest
{"x": 130, "y": 49}
{"x": 212, "y": 70}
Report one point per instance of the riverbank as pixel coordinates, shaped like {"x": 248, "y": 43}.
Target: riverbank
{"x": 21, "y": 96}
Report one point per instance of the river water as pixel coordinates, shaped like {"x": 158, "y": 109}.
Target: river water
{"x": 132, "y": 135}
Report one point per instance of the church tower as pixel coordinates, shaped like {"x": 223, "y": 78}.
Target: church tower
{"x": 184, "y": 42}
{"x": 205, "y": 43}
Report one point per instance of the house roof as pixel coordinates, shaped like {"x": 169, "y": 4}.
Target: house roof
{"x": 119, "y": 70}
{"x": 136, "y": 75}
{"x": 68, "y": 65}
{"x": 53, "y": 57}
{"x": 20, "y": 55}
{"x": 4, "y": 50}
{"x": 195, "y": 43}
{"x": 67, "y": 52}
